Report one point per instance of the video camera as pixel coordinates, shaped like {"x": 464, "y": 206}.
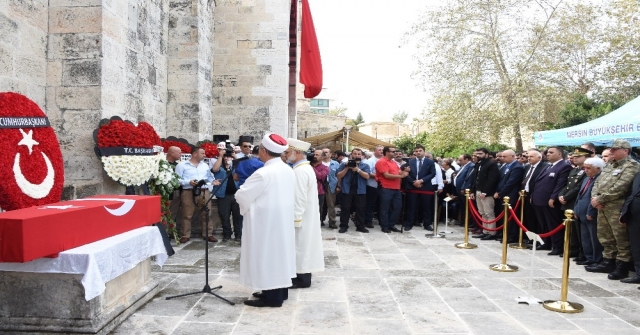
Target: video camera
{"x": 197, "y": 190}
{"x": 228, "y": 147}
{"x": 353, "y": 162}
{"x": 311, "y": 155}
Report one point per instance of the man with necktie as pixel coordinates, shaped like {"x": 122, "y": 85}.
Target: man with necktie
{"x": 420, "y": 191}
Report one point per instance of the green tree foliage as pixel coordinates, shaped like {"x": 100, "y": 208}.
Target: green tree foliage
{"x": 582, "y": 109}
{"x": 407, "y": 143}
{"x": 355, "y": 122}
{"x": 400, "y": 117}
{"x": 501, "y": 69}
{"x": 338, "y": 111}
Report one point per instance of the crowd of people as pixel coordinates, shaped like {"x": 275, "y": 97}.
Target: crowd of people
{"x": 406, "y": 191}
{"x": 400, "y": 192}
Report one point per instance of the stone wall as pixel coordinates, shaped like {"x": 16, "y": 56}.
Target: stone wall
{"x": 153, "y": 60}
{"x": 312, "y": 124}
{"x": 189, "y": 110}
{"x": 385, "y": 131}
{"x": 250, "y": 67}
{"x": 23, "y": 47}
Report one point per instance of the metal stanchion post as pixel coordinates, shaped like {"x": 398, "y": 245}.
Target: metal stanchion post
{"x": 520, "y": 244}
{"x": 435, "y": 218}
{"x": 466, "y": 244}
{"x": 562, "y": 305}
{"x": 504, "y": 267}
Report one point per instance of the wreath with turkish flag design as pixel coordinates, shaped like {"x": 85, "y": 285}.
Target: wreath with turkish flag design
{"x": 31, "y": 154}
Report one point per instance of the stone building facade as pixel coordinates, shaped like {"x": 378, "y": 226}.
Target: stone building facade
{"x": 312, "y": 124}
{"x": 385, "y": 131}
{"x": 191, "y": 68}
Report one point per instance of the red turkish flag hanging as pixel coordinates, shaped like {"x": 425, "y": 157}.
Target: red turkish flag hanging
{"x": 310, "y": 62}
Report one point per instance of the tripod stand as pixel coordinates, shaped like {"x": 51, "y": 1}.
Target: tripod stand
{"x": 205, "y": 209}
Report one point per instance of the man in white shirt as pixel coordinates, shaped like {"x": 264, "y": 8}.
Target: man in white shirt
{"x": 372, "y": 188}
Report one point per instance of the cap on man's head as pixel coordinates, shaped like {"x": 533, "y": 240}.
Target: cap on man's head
{"x": 298, "y": 145}
{"x": 274, "y": 143}
{"x": 581, "y": 152}
{"x": 620, "y": 144}
{"x": 222, "y": 145}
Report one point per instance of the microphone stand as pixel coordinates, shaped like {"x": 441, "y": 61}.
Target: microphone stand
{"x": 205, "y": 208}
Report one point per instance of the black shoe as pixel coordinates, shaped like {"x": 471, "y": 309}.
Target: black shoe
{"x": 333, "y": 226}
{"x": 368, "y": 225}
{"x": 258, "y": 295}
{"x": 631, "y": 280}
{"x": 395, "y": 230}
{"x": 543, "y": 247}
{"x": 429, "y": 227}
{"x": 480, "y": 235}
{"x": 579, "y": 259}
{"x": 621, "y": 271}
{"x": 512, "y": 240}
{"x": 342, "y": 230}
{"x": 259, "y": 303}
{"x": 488, "y": 237}
{"x": 555, "y": 253}
{"x": 362, "y": 229}
{"x": 498, "y": 237}
{"x": 605, "y": 266}
{"x": 226, "y": 238}
{"x": 407, "y": 228}
{"x": 585, "y": 262}
{"x": 386, "y": 231}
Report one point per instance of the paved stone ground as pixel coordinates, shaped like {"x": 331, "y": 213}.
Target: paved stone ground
{"x": 389, "y": 284}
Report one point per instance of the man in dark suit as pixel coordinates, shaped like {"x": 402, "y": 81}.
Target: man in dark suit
{"x": 418, "y": 184}
{"x": 586, "y": 215}
{"x": 545, "y": 196}
{"x": 568, "y": 196}
{"x": 630, "y": 216}
{"x": 511, "y": 175}
{"x": 483, "y": 188}
{"x": 531, "y": 173}
{"x": 462, "y": 182}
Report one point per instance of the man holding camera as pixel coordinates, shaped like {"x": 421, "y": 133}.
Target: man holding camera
{"x": 194, "y": 175}
{"x": 353, "y": 176}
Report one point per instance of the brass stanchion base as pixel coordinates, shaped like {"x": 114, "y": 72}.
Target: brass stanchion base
{"x": 503, "y": 267}
{"x": 466, "y": 245}
{"x": 563, "y": 306}
{"x": 519, "y": 246}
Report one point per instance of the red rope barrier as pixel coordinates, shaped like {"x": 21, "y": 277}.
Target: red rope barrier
{"x": 473, "y": 208}
{"x": 478, "y": 218}
{"x": 545, "y": 235}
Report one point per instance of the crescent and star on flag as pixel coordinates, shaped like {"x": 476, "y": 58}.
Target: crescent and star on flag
{"x": 35, "y": 191}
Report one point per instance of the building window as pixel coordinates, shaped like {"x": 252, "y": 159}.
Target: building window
{"x": 320, "y": 110}
{"x": 319, "y": 103}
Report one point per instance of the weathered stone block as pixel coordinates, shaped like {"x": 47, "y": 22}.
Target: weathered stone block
{"x": 81, "y": 167}
{"x": 182, "y": 66}
{"x": 8, "y": 30}
{"x": 86, "y": 72}
{"x": 74, "y": 3}
{"x": 54, "y": 302}
{"x": 75, "y": 20}
{"x": 254, "y": 44}
{"x": 33, "y": 42}
{"x": 78, "y": 97}
{"x": 74, "y": 46}
{"x": 33, "y": 13}
{"x": 87, "y": 190}
{"x": 6, "y": 60}
{"x": 31, "y": 70}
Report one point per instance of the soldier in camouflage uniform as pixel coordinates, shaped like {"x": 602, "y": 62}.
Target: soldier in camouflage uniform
{"x": 608, "y": 195}
{"x": 568, "y": 195}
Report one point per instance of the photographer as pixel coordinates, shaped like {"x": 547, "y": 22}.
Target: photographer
{"x": 194, "y": 174}
{"x": 227, "y": 204}
{"x": 353, "y": 176}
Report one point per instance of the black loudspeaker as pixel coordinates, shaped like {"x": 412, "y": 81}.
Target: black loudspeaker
{"x": 220, "y": 138}
{"x": 244, "y": 138}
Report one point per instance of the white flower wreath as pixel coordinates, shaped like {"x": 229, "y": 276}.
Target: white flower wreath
{"x": 132, "y": 170}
